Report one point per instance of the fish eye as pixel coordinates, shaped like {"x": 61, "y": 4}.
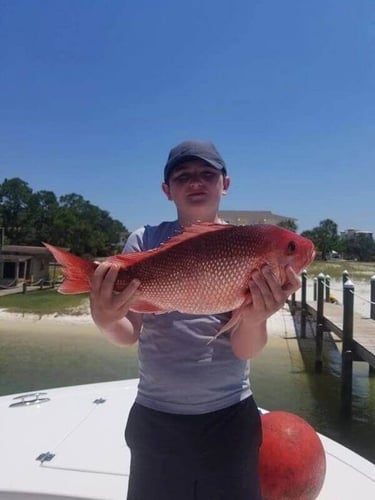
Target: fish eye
{"x": 291, "y": 247}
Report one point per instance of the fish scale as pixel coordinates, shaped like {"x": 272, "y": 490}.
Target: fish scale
{"x": 217, "y": 273}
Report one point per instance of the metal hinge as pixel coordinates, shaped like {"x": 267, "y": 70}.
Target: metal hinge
{"x": 45, "y": 457}
{"x": 99, "y": 401}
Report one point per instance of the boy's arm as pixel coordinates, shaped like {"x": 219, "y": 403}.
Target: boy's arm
{"x": 250, "y": 335}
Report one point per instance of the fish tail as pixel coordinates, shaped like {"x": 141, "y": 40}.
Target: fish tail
{"x": 76, "y": 271}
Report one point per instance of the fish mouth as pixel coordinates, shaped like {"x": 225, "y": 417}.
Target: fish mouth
{"x": 312, "y": 256}
{"x": 309, "y": 258}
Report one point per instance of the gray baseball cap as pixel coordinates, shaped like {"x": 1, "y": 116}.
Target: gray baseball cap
{"x": 190, "y": 150}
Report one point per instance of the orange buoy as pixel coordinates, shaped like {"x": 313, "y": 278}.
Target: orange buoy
{"x": 292, "y": 461}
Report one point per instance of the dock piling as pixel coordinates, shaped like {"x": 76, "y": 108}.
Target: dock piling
{"x": 345, "y": 277}
{"x": 303, "y": 303}
{"x": 327, "y": 287}
{"x": 319, "y": 325}
{"x": 347, "y": 349}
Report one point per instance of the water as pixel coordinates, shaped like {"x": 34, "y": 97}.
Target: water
{"x": 33, "y": 357}
{"x": 292, "y": 384}
{"x": 282, "y": 376}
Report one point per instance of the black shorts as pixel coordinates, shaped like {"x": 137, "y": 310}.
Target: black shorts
{"x": 213, "y": 456}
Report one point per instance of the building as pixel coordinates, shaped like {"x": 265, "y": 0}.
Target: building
{"x": 20, "y": 263}
{"x": 245, "y": 217}
{"x": 351, "y": 233}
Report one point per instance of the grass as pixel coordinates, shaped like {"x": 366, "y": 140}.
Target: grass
{"x": 358, "y": 271}
{"x": 45, "y": 302}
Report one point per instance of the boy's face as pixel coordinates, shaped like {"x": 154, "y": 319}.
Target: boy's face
{"x": 196, "y": 188}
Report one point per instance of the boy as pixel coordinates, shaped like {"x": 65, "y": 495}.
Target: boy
{"x": 194, "y": 430}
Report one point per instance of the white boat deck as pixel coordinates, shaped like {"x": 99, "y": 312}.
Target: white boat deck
{"x": 90, "y": 459}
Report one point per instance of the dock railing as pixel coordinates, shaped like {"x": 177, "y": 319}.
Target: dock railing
{"x": 356, "y": 333}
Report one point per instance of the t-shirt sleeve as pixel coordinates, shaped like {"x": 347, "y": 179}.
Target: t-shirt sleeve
{"x": 135, "y": 241}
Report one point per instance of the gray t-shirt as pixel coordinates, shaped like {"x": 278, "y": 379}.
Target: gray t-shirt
{"x": 179, "y": 372}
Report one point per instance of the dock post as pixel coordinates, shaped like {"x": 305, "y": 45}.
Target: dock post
{"x": 327, "y": 287}
{"x": 347, "y": 353}
{"x": 319, "y": 325}
{"x": 372, "y": 297}
{"x": 303, "y": 303}
{"x": 293, "y": 303}
{"x": 371, "y": 370}
{"x": 345, "y": 277}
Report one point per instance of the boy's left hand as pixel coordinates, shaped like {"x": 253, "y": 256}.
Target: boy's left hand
{"x": 268, "y": 296}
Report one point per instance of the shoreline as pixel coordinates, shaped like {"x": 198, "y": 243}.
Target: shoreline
{"x": 45, "y": 318}
{"x": 75, "y": 319}
{"x": 280, "y": 325}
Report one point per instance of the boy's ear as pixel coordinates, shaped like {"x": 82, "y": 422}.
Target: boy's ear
{"x": 166, "y": 191}
{"x": 226, "y": 184}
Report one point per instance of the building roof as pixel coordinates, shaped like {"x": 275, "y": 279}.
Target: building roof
{"x": 252, "y": 217}
{"x": 17, "y": 250}
{"x": 356, "y": 231}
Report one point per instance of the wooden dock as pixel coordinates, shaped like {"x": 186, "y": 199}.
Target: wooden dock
{"x": 363, "y": 343}
{"x": 356, "y": 332}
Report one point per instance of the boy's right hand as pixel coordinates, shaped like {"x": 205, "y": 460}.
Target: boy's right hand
{"x": 108, "y": 307}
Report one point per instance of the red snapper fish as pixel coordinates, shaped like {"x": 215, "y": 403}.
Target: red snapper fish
{"x": 204, "y": 270}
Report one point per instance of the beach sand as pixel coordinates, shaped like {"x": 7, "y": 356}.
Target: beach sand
{"x": 46, "y": 322}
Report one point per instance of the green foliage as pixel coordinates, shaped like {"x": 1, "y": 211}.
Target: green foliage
{"x": 15, "y": 196}
{"x": 325, "y": 237}
{"x": 358, "y": 246}
{"x": 29, "y": 218}
{"x": 288, "y": 224}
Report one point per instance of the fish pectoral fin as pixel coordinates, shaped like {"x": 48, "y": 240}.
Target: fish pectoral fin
{"x": 142, "y": 306}
{"x": 235, "y": 319}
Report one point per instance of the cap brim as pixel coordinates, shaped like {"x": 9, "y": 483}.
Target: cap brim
{"x": 173, "y": 164}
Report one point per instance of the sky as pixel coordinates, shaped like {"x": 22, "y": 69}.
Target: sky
{"x": 94, "y": 94}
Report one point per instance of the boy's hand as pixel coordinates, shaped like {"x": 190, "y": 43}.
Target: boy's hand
{"x": 106, "y": 306}
{"x": 268, "y": 296}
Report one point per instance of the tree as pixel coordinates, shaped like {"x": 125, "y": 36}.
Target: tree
{"x": 43, "y": 208}
{"x": 288, "y": 224}
{"x": 91, "y": 230}
{"x": 359, "y": 246}
{"x": 15, "y": 196}
{"x": 30, "y": 218}
{"x": 325, "y": 237}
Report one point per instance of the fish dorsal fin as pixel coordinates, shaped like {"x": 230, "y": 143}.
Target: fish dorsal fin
{"x": 188, "y": 233}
